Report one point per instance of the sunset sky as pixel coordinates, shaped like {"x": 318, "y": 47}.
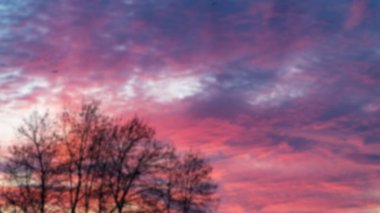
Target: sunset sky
{"x": 282, "y": 95}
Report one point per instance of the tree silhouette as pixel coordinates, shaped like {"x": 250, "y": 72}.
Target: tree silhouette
{"x": 96, "y": 163}
{"x": 188, "y": 186}
{"x": 77, "y": 131}
{"x": 196, "y": 188}
{"x": 31, "y": 166}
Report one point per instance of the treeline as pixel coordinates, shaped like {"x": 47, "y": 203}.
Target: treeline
{"x": 87, "y": 161}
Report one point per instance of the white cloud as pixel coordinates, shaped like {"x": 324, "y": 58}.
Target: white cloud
{"x": 291, "y": 83}
{"x": 22, "y": 88}
{"x": 276, "y": 95}
{"x": 171, "y": 88}
{"x": 166, "y": 87}
{"x": 5, "y": 76}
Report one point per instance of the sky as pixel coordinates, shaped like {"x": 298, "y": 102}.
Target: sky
{"x": 283, "y": 96}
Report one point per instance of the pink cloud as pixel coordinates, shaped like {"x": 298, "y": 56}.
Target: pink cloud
{"x": 357, "y": 13}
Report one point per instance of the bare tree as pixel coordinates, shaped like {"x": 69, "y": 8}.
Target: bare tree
{"x": 30, "y": 167}
{"x": 100, "y": 164}
{"x": 106, "y": 159}
{"x": 197, "y": 189}
{"x": 99, "y": 158}
{"x": 161, "y": 195}
{"x": 185, "y": 185}
{"x": 77, "y": 135}
{"x": 127, "y": 160}
{"x": 132, "y": 154}
{"x": 188, "y": 186}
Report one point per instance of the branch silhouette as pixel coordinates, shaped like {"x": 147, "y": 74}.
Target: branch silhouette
{"x": 87, "y": 161}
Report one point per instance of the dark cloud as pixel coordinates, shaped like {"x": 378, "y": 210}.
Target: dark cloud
{"x": 372, "y": 138}
{"x": 369, "y": 159}
{"x": 223, "y": 105}
{"x": 296, "y": 144}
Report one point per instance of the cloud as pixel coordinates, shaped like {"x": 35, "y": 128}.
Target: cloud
{"x": 366, "y": 158}
{"x": 166, "y": 87}
{"x": 282, "y": 94}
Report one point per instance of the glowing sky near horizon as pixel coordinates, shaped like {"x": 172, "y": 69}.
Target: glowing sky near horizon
{"x": 282, "y": 95}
